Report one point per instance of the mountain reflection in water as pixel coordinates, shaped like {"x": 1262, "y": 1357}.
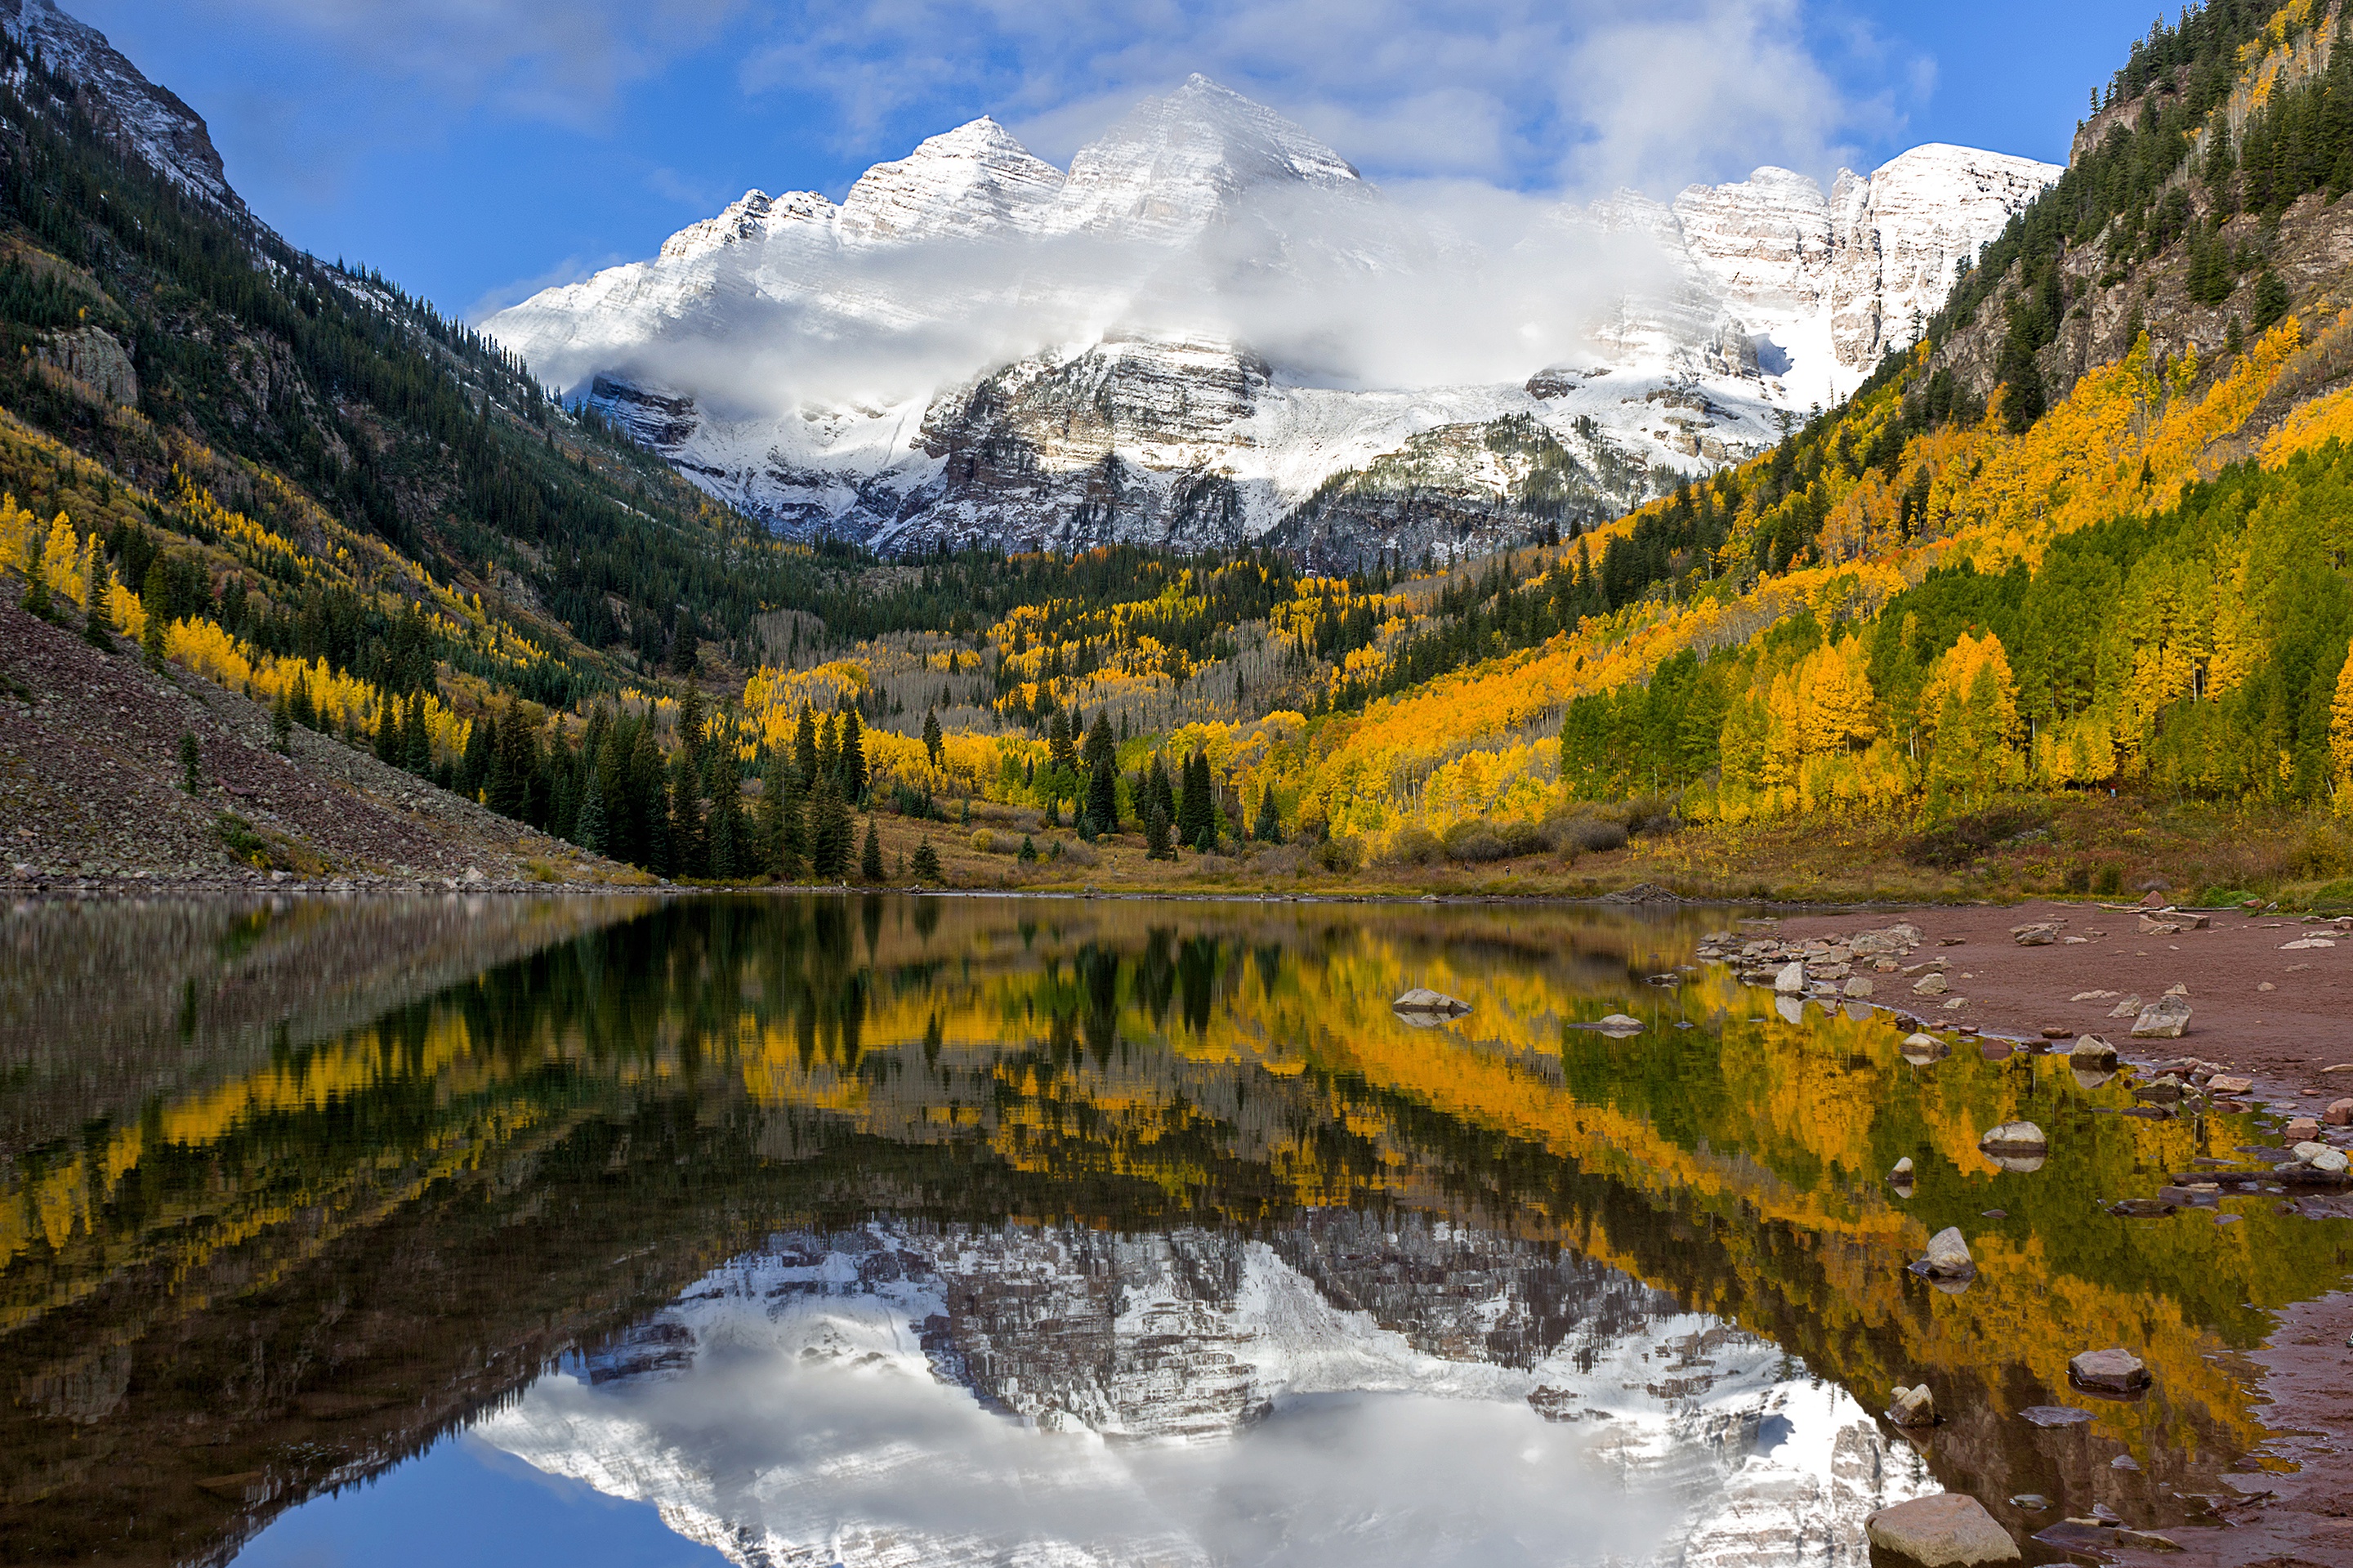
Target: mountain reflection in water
{"x": 879, "y": 1230}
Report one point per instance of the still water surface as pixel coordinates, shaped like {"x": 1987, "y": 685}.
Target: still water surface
{"x": 878, "y": 1231}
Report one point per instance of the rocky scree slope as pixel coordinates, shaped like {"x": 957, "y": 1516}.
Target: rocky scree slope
{"x": 92, "y": 791}
{"x": 1045, "y": 356}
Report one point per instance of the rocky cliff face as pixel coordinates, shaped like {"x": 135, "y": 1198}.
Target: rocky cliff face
{"x": 902, "y": 1394}
{"x": 150, "y": 121}
{"x": 1167, "y": 343}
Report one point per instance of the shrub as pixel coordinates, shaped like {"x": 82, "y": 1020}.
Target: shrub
{"x": 1583, "y": 831}
{"x": 1478, "y": 842}
{"x": 1340, "y": 854}
{"x": 1411, "y": 845}
{"x": 985, "y": 841}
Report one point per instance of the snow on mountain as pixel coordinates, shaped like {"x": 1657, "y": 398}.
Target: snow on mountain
{"x": 1369, "y": 1391}
{"x": 1212, "y": 313}
{"x": 157, "y": 127}
{"x": 1828, "y": 284}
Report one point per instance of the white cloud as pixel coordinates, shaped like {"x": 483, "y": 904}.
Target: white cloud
{"x": 1579, "y": 96}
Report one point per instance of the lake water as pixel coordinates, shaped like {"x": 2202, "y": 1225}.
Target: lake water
{"x": 876, "y": 1230}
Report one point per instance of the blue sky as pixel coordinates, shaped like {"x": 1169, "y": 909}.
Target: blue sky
{"x": 475, "y": 149}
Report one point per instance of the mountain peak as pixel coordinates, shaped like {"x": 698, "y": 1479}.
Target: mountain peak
{"x": 973, "y": 182}
{"x": 1173, "y": 165}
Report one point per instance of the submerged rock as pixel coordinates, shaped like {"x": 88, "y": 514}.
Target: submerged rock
{"x": 2015, "y": 1137}
{"x": 1912, "y": 1407}
{"x": 1951, "y": 1530}
{"x": 1948, "y": 1257}
{"x": 1430, "y": 1002}
{"x": 2108, "y": 1371}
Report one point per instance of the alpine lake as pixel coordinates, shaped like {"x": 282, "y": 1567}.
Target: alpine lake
{"x": 877, "y": 1229}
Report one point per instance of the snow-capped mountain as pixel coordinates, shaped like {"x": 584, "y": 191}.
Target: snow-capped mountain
{"x": 153, "y": 123}
{"x": 1351, "y": 1388}
{"x": 1211, "y": 314}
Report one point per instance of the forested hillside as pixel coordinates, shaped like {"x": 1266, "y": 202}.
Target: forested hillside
{"x": 2016, "y": 564}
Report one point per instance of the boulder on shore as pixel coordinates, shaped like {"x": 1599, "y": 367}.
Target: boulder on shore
{"x": 2108, "y": 1371}
{"x": 2163, "y": 1019}
{"x": 1951, "y": 1530}
{"x": 1791, "y": 980}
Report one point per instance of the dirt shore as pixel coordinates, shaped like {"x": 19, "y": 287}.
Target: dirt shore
{"x": 2278, "y": 1012}
{"x": 2280, "y": 1015}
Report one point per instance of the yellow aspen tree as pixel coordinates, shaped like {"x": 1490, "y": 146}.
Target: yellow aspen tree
{"x": 2340, "y": 739}
{"x": 61, "y": 559}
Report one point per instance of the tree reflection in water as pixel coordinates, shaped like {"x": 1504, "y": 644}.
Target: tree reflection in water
{"x": 293, "y": 1191}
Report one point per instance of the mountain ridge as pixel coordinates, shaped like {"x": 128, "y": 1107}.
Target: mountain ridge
{"x": 1193, "y": 223}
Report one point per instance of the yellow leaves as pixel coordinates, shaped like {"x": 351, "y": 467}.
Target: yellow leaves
{"x": 61, "y": 559}
{"x": 1975, "y": 670}
{"x": 1836, "y": 710}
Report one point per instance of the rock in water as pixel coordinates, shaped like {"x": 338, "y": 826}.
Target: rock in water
{"x": 2163, "y": 1019}
{"x": 1791, "y": 980}
{"x": 1430, "y": 1002}
{"x": 2015, "y": 1137}
{"x": 1948, "y": 1257}
{"x": 1619, "y": 1024}
{"x": 2092, "y": 1050}
{"x": 1903, "y": 1171}
{"x": 2018, "y": 1147}
{"x": 1951, "y": 1530}
{"x": 2108, "y": 1371}
{"x": 1912, "y": 1407}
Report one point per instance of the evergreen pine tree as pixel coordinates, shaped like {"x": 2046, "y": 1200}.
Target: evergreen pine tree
{"x": 1269, "y": 830}
{"x": 927, "y": 865}
{"x": 689, "y": 850}
{"x": 1059, "y": 753}
{"x": 729, "y": 841}
{"x": 1193, "y": 808}
{"x": 417, "y": 739}
{"x": 391, "y": 745}
{"x": 37, "y": 577}
{"x": 1029, "y": 852}
{"x": 1155, "y": 834}
{"x": 853, "y": 758}
{"x": 935, "y": 744}
{"x": 589, "y": 831}
{"x": 191, "y": 763}
{"x": 96, "y": 627}
{"x": 831, "y": 833}
{"x": 648, "y": 800}
{"x": 870, "y": 859}
{"x": 1207, "y": 842}
{"x": 2271, "y": 300}
{"x": 1102, "y": 777}
{"x": 282, "y": 723}
{"x": 805, "y": 746}
{"x": 150, "y": 640}
{"x": 690, "y": 725}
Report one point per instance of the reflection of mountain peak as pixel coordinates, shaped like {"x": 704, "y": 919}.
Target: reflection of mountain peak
{"x": 955, "y": 1346}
